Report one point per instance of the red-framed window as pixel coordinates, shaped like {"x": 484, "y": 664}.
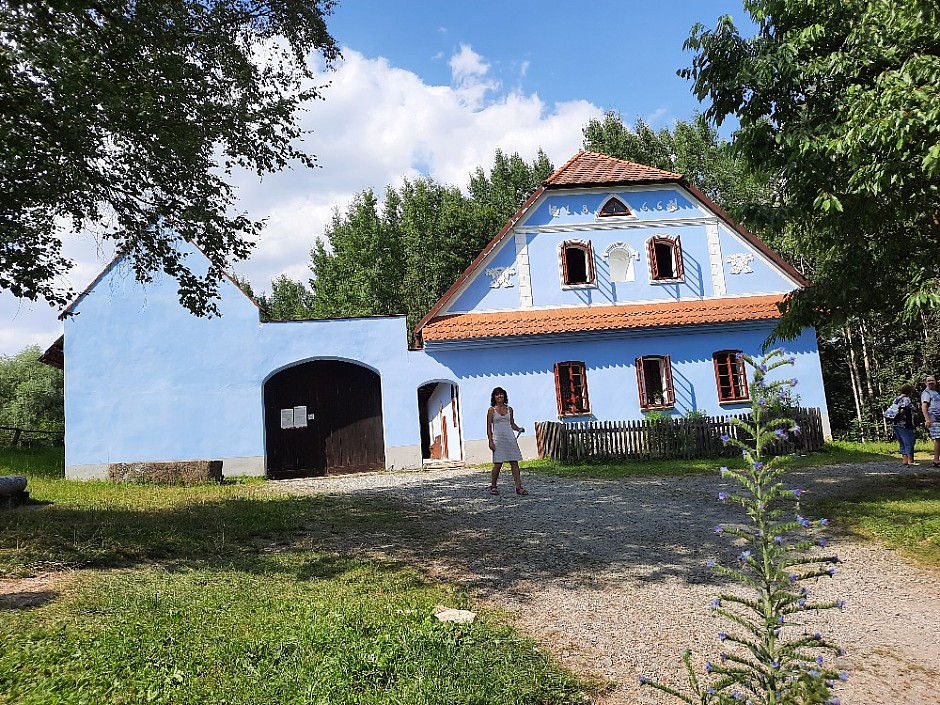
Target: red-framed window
{"x": 577, "y": 263}
{"x": 730, "y": 376}
{"x": 571, "y": 390}
{"x": 654, "y": 382}
{"x": 613, "y": 208}
{"x": 665, "y": 258}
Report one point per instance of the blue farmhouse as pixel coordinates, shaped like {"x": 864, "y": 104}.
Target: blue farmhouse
{"x": 615, "y": 290}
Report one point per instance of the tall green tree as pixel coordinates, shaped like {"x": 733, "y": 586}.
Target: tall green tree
{"x": 289, "y": 300}
{"x": 401, "y": 256}
{"x": 692, "y": 148}
{"x": 361, "y": 273}
{"x": 840, "y": 104}
{"x": 31, "y": 394}
{"x": 128, "y": 117}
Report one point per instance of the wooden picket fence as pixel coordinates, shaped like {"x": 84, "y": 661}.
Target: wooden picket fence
{"x": 665, "y": 438}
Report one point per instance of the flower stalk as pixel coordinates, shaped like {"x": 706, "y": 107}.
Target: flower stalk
{"x": 767, "y": 657}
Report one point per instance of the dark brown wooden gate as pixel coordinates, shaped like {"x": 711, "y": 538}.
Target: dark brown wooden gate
{"x": 337, "y": 420}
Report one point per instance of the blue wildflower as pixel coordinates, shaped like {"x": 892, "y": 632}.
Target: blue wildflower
{"x": 797, "y": 491}
{"x": 794, "y": 382}
{"x": 722, "y": 636}
{"x": 722, "y": 496}
{"x": 824, "y": 522}
{"x": 725, "y": 438}
{"x": 793, "y": 577}
{"x": 778, "y": 539}
{"x": 710, "y": 563}
{"x": 823, "y": 542}
{"x": 722, "y": 470}
{"x": 719, "y": 529}
{"x": 795, "y": 429}
{"x": 802, "y": 521}
{"x": 708, "y": 667}
{"x": 820, "y": 660}
{"x": 642, "y": 680}
{"x": 780, "y": 433}
{"x": 840, "y": 604}
{"x": 714, "y": 604}
{"x": 843, "y": 676}
{"x": 745, "y": 555}
{"x": 830, "y": 571}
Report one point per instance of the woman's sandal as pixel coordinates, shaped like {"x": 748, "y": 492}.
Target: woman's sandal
{"x": 521, "y": 490}
{"x": 493, "y": 490}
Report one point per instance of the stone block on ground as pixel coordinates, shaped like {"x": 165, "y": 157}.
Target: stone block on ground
{"x": 181, "y": 472}
{"x": 13, "y": 490}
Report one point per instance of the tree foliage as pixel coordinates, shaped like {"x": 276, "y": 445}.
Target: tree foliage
{"x": 691, "y": 148}
{"x": 840, "y": 103}
{"x": 127, "y": 117}
{"x": 31, "y": 394}
{"x": 402, "y": 255}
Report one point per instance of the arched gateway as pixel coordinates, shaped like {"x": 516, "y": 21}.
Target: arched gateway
{"x": 323, "y": 417}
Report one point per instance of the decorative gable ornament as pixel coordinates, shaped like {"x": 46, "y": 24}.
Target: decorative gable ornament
{"x": 740, "y": 263}
{"x": 501, "y": 276}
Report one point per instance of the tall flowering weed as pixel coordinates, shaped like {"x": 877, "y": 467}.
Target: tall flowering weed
{"x": 768, "y": 657}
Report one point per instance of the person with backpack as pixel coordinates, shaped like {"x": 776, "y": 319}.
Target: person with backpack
{"x": 930, "y": 405}
{"x": 904, "y": 423}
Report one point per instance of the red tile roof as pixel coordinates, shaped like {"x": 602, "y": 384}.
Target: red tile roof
{"x": 473, "y": 326}
{"x": 591, "y": 168}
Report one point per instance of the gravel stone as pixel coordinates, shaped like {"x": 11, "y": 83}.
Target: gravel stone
{"x": 610, "y": 576}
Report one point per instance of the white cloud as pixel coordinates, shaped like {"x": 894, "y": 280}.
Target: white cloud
{"x": 377, "y": 125}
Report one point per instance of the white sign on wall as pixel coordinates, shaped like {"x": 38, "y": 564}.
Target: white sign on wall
{"x": 295, "y": 417}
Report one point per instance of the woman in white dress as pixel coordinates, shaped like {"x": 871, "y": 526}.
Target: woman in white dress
{"x": 500, "y": 425}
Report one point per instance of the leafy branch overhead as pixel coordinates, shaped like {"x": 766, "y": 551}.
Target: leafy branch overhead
{"x": 840, "y": 103}
{"x": 130, "y": 116}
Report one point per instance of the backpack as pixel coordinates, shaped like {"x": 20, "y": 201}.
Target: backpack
{"x": 892, "y": 411}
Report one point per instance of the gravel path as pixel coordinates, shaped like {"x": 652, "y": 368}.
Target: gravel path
{"x": 610, "y": 575}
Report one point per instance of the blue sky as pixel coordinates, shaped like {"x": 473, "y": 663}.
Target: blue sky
{"x": 434, "y": 88}
{"x": 618, "y": 54}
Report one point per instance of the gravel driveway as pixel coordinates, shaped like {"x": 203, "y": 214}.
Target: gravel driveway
{"x": 609, "y": 575}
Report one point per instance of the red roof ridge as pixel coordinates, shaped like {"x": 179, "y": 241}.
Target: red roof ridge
{"x": 586, "y": 168}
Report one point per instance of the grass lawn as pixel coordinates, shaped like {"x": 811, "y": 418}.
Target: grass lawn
{"x": 901, "y": 512}
{"x": 833, "y": 453}
{"x": 213, "y": 594}
{"x": 216, "y": 594}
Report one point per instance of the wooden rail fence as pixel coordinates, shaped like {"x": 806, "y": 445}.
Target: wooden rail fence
{"x": 665, "y": 438}
{"x": 10, "y": 435}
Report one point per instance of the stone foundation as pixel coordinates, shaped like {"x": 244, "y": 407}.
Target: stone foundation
{"x": 181, "y": 472}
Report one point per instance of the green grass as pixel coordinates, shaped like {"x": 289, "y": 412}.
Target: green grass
{"x": 834, "y": 453}
{"x": 41, "y": 461}
{"x": 217, "y": 593}
{"x": 902, "y": 512}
